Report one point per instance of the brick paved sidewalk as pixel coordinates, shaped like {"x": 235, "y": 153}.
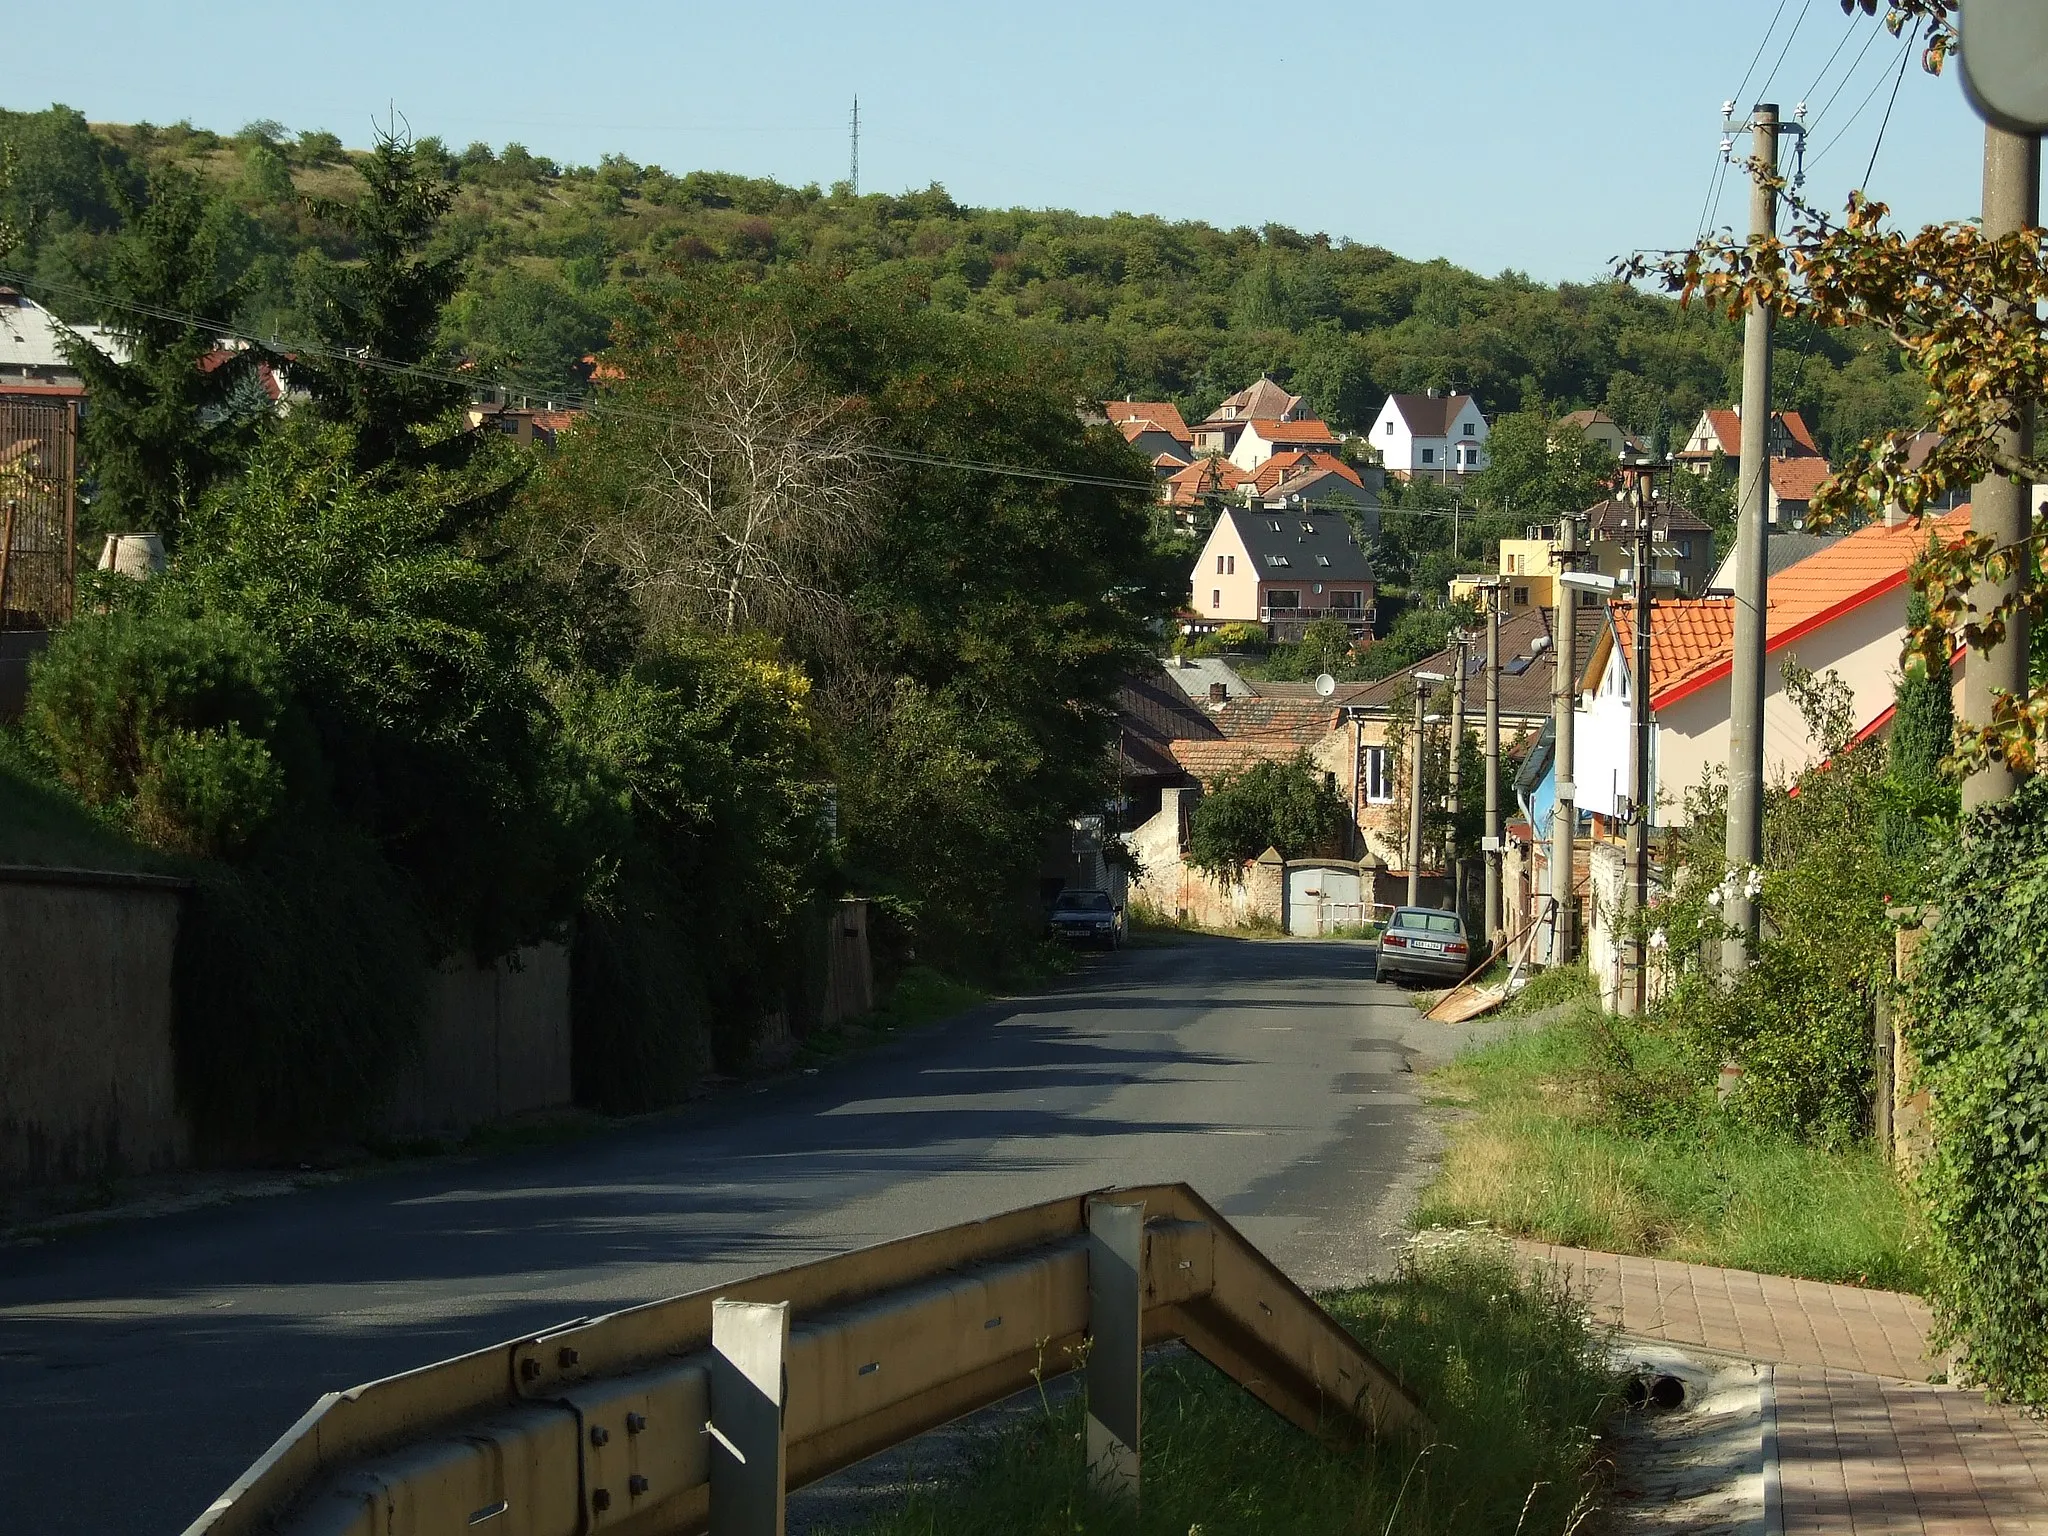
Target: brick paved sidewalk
{"x": 1864, "y": 1444}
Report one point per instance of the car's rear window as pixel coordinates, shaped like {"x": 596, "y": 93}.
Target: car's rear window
{"x": 1426, "y": 922}
{"x": 1083, "y": 901}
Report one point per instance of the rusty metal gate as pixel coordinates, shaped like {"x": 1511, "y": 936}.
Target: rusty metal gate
{"x": 38, "y": 511}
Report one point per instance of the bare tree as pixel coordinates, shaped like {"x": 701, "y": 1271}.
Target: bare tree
{"x": 747, "y": 500}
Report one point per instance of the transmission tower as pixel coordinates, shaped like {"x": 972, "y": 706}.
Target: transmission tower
{"x": 853, "y": 175}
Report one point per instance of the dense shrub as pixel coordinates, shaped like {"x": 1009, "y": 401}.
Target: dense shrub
{"x": 1978, "y": 1021}
{"x": 300, "y": 979}
{"x": 1289, "y": 806}
{"x": 163, "y": 717}
{"x": 1798, "y": 1021}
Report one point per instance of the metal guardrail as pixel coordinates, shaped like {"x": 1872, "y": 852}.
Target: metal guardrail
{"x": 702, "y": 1411}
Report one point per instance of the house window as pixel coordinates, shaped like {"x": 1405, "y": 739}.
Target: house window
{"x": 1685, "y": 549}
{"x": 1522, "y": 601}
{"x": 1373, "y": 775}
{"x": 1429, "y": 455}
{"x": 1216, "y": 598}
{"x": 1390, "y": 429}
{"x": 1219, "y": 565}
{"x": 1468, "y": 429}
{"x": 1322, "y": 559}
{"x": 1347, "y": 602}
{"x": 1276, "y": 561}
{"x": 1284, "y": 599}
{"x": 1230, "y": 565}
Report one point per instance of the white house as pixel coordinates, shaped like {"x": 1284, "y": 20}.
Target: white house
{"x": 1841, "y": 609}
{"x": 1433, "y": 434}
{"x": 1262, "y": 437}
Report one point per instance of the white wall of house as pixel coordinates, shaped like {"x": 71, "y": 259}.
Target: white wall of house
{"x": 1690, "y": 735}
{"x": 1403, "y": 451}
{"x": 1225, "y": 584}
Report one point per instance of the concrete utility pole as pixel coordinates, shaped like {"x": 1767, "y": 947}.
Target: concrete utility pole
{"x": 2000, "y": 507}
{"x": 1454, "y": 866}
{"x": 1422, "y": 682}
{"x": 1635, "y": 997}
{"x": 1745, "y": 841}
{"x": 1491, "y": 849}
{"x": 1564, "y": 814}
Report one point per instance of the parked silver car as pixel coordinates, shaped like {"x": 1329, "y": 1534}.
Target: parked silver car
{"x": 1426, "y": 944}
{"x": 1088, "y": 917}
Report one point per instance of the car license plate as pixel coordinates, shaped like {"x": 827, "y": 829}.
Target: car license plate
{"x": 1429, "y": 944}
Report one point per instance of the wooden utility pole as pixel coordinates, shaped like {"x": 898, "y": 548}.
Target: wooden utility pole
{"x": 1564, "y": 813}
{"x": 1491, "y": 849}
{"x": 2000, "y": 507}
{"x": 1744, "y": 847}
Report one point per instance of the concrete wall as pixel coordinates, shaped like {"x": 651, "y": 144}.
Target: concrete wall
{"x": 850, "y": 966}
{"x": 88, "y": 1079}
{"x": 496, "y": 1043}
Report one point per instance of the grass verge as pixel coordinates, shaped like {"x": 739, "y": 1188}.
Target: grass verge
{"x": 921, "y": 996}
{"x": 1504, "y": 1365}
{"x": 1563, "y": 1146}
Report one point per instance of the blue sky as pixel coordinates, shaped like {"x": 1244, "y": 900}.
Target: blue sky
{"x": 1545, "y": 138}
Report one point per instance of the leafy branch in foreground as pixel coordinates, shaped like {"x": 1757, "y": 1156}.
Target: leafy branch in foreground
{"x": 1964, "y": 310}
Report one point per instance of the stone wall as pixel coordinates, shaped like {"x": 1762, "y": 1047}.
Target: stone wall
{"x": 88, "y": 1082}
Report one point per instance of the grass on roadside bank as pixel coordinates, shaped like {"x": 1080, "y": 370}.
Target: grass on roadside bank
{"x": 921, "y": 996}
{"x": 1560, "y": 1147}
{"x": 1515, "y": 1386}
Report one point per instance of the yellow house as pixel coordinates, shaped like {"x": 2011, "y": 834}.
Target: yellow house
{"x": 1531, "y": 576}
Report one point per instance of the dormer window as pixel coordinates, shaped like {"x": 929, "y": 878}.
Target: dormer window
{"x": 1276, "y": 525}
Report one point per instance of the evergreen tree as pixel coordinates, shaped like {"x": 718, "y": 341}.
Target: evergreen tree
{"x": 384, "y": 309}
{"x": 171, "y": 418}
{"x": 1923, "y": 733}
{"x": 1924, "y": 716}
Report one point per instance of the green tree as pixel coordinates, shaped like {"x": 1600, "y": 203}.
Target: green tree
{"x": 166, "y": 422}
{"x": 384, "y": 306}
{"x": 1537, "y": 469}
{"x": 1290, "y": 806}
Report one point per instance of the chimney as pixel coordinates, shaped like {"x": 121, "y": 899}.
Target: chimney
{"x": 1894, "y": 515}
{"x": 1219, "y": 693}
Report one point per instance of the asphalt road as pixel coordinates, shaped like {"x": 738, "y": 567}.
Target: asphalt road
{"x": 144, "y": 1364}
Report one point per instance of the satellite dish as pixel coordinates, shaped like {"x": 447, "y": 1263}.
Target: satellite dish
{"x": 1325, "y": 685}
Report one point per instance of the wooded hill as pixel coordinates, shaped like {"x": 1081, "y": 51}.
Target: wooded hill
{"x": 1146, "y": 306}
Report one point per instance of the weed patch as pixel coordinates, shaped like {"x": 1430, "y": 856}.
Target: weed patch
{"x": 1504, "y": 1366}
{"x": 1590, "y": 1131}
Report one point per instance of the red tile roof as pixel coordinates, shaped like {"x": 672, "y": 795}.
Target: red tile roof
{"x": 1292, "y": 461}
{"x": 1726, "y": 425}
{"x": 1692, "y": 643}
{"x": 1264, "y": 399}
{"x": 1291, "y": 431}
{"x": 1797, "y": 479}
{"x": 1160, "y": 415}
{"x": 1189, "y": 485}
{"x": 1210, "y": 760}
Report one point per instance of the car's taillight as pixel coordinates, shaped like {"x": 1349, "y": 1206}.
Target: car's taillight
{"x": 1394, "y": 941}
{"x": 1454, "y": 949}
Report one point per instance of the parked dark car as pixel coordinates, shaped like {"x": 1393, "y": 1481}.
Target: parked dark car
{"x": 1088, "y": 917}
{"x": 1426, "y": 944}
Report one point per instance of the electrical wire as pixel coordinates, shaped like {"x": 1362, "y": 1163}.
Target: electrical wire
{"x": 1797, "y": 22}
{"x": 1814, "y": 89}
{"x": 1897, "y": 80}
{"x": 595, "y": 404}
{"x": 1906, "y": 49}
{"x": 1855, "y": 64}
{"x": 1760, "y": 47}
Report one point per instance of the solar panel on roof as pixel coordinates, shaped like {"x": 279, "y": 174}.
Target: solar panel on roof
{"x": 1516, "y": 668}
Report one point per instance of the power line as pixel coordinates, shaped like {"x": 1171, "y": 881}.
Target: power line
{"x": 1760, "y": 47}
{"x": 1897, "y": 80}
{"x": 1842, "y": 84}
{"x": 1861, "y": 108}
{"x": 1814, "y": 89}
{"x": 1797, "y": 22}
